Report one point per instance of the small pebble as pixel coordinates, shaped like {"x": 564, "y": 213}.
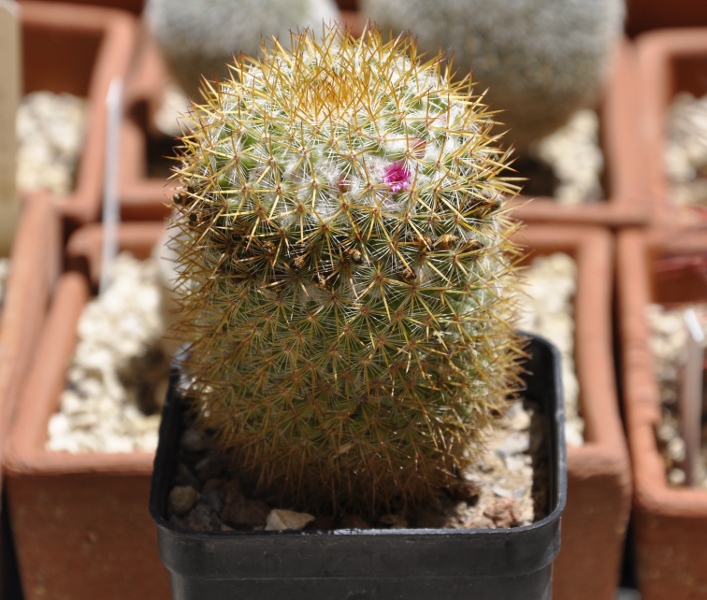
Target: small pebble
{"x": 504, "y": 513}
{"x": 182, "y": 499}
{"x": 193, "y": 440}
{"x": 287, "y": 520}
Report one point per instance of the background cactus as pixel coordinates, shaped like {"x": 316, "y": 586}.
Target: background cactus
{"x": 200, "y": 36}
{"x": 541, "y": 60}
{"x": 342, "y": 238}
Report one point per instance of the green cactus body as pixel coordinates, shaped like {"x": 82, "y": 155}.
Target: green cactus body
{"x": 198, "y": 37}
{"x": 542, "y": 60}
{"x": 343, "y": 247}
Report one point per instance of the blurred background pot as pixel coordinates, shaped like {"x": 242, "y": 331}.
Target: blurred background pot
{"x": 669, "y": 521}
{"x": 80, "y": 521}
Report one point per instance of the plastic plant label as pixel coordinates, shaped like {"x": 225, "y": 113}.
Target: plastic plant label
{"x": 691, "y": 394}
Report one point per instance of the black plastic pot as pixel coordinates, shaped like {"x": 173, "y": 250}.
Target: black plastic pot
{"x": 404, "y": 564}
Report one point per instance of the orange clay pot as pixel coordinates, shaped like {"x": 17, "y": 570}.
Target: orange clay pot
{"x": 599, "y": 477}
{"x": 80, "y": 521}
{"x": 77, "y": 50}
{"x": 669, "y": 523}
{"x": 670, "y": 61}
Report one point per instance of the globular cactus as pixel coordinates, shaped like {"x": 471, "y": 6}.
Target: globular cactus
{"x": 342, "y": 241}
{"x": 198, "y": 37}
{"x": 541, "y": 60}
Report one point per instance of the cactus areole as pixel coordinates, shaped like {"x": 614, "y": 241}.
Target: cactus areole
{"x": 346, "y": 270}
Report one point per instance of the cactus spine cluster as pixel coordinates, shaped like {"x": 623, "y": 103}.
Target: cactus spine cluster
{"x": 542, "y": 60}
{"x": 343, "y": 245}
{"x": 198, "y": 37}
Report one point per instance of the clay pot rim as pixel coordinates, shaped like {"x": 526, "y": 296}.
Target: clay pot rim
{"x": 117, "y": 30}
{"x": 25, "y": 452}
{"x": 624, "y": 204}
{"x": 35, "y": 264}
{"x": 657, "y": 52}
{"x": 653, "y": 494}
{"x": 592, "y": 249}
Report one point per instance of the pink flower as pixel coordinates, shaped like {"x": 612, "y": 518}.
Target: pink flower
{"x": 397, "y": 176}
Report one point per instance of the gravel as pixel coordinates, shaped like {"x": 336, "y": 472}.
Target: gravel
{"x": 50, "y": 133}
{"x": 547, "y": 309}
{"x": 668, "y": 343}
{"x": 118, "y": 375}
{"x": 575, "y": 157}
{"x": 685, "y": 153}
{"x": 499, "y": 490}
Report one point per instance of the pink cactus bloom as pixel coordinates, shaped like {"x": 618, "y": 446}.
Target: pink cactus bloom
{"x": 397, "y": 176}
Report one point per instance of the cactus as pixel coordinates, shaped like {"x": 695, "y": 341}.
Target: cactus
{"x": 541, "y": 60}
{"x": 198, "y": 37}
{"x": 343, "y": 244}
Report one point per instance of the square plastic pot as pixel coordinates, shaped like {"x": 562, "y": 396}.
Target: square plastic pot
{"x": 78, "y": 50}
{"x": 80, "y": 521}
{"x": 408, "y": 564}
{"x": 623, "y": 159}
{"x": 669, "y": 523}
{"x": 670, "y": 61}
{"x": 599, "y": 476}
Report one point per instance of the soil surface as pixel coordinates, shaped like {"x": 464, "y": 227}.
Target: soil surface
{"x": 503, "y": 489}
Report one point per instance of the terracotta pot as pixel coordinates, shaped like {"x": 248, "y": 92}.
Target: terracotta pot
{"x": 144, "y": 150}
{"x": 80, "y": 521}
{"x": 133, "y": 6}
{"x": 670, "y": 61}
{"x": 35, "y": 266}
{"x": 599, "y": 480}
{"x": 653, "y": 14}
{"x": 78, "y": 50}
{"x": 36, "y": 261}
{"x": 623, "y": 183}
{"x": 669, "y": 523}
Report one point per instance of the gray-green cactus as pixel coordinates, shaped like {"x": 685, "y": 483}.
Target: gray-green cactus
{"x": 541, "y": 59}
{"x": 343, "y": 243}
{"x": 198, "y": 37}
